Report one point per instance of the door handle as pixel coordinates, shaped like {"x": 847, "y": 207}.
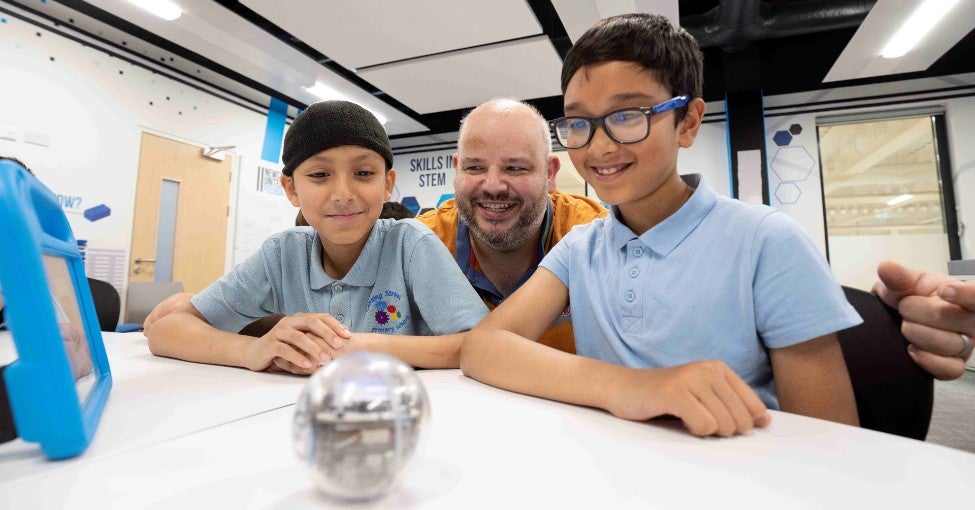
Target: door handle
{"x": 140, "y": 260}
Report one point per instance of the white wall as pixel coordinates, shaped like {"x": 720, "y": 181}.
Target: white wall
{"x": 92, "y": 108}
{"x": 709, "y": 156}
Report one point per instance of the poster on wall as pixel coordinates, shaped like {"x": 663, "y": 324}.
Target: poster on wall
{"x": 262, "y": 207}
{"x": 424, "y": 180}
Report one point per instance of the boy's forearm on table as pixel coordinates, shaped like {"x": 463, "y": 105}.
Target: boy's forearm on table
{"x": 419, "y": 351}
{"x": 503, "y": 359}
{"x": 187, "y": 337}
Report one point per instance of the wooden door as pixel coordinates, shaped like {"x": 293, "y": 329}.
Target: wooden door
{"x": 199, "y": 237}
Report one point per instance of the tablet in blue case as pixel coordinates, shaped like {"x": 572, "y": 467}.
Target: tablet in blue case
{"x": 60, "y": 382}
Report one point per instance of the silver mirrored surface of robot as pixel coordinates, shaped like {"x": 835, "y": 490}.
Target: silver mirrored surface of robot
{"x": 357, "y": 424}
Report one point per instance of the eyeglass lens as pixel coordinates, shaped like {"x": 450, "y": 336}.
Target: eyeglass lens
{"x": 624, "y": 126}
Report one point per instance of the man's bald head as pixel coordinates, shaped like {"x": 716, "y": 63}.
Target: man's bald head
{"x": 513, "y": 114}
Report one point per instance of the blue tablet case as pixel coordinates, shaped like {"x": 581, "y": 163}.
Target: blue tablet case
{"x": 60, "y": 382}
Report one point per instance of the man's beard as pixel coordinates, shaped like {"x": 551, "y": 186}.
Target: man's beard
{"x": 524, "y": 229}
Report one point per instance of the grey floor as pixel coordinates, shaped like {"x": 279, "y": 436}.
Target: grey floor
{"x": 953, "y": 419}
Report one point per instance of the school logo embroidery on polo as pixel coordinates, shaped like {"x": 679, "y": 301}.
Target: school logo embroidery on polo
{"x": 386, "y": 313}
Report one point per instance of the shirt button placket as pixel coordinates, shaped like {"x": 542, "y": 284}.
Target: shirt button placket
{"x": 631, "y": 287}
{"x": 339, "y": 303}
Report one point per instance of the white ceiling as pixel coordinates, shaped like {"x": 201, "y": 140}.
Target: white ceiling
{"x": 578, "y": 15}
{"x": 413, "y": 62}
{"x": 522, "y": 69}
{"x": 365, "y": 33}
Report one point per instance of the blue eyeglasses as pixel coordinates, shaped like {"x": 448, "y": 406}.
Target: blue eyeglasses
{"x": 629, "y": 125}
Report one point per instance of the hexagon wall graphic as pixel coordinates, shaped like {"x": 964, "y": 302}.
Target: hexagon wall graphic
{"x": 788, "y": 192}
{"x": 795, "y": 129}
{"x": 792, "y": 164}
{"x": 781, "y": 138}
{"x": 412, "y": 204}
{"x": 445, "y": 197}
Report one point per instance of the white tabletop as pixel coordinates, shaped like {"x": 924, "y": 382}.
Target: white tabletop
{"x": 484, "y": 448}
{"x": 156, "y": 399}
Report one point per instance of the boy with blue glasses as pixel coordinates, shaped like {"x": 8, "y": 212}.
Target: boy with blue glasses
{"x": 675, "y": 274}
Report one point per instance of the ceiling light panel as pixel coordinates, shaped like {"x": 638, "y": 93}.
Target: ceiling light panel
{"x": 521, "y": 69}
{"x": 862, "y": 56}
{"x": 364, "y": 33}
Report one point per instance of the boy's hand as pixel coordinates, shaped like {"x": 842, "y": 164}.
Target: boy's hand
{"x": 301, "y": 343}
{"x": 707, "y": 396}
{"x": 357, "y": 342}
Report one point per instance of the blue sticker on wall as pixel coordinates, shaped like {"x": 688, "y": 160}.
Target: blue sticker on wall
{"x": 98, "y": 212}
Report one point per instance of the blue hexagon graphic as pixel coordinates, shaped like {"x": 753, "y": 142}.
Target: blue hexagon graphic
{"x": 795, "y": 129}
{"x": 412, "y": 204}
{"x": 788, "y": 192}
{"x": 781, "y": 138}
{"x": 445, "y": 197}
{"x": 792, "y": 164}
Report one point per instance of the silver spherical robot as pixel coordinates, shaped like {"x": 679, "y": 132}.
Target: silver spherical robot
{"x": 358, "y": 423}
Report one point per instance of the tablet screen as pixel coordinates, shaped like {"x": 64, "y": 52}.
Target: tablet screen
{"x": 70, "y": 324}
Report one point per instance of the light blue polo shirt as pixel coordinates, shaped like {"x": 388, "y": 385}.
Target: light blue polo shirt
{"x": 405, "y": 282}
{"x": 718, "y": 279}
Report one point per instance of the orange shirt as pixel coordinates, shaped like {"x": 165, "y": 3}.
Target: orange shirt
{"x": 564, "y": 212}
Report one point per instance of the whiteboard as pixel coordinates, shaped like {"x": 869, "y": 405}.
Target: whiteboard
{"x": 262, "y": 208}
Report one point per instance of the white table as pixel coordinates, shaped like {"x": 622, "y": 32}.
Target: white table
{"x": 484, "y": 448}
{"x": 154, "y": 400}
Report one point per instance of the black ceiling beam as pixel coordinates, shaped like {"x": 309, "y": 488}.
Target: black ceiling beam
{"x": 734, "y": 24}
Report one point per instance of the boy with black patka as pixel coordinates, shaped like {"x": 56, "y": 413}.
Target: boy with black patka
{"x": 348, "y": 282}
{"x": 675, "y": 274}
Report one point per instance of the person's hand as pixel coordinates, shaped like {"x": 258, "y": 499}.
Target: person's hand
{"x": 166, "y": 307}
{"x": 937, "y": 311}
{"x": 356, "y": 342}
{"x": 76, "y": 347}
{"x": 298, "y": 344}
{"x": 707, "y": 396}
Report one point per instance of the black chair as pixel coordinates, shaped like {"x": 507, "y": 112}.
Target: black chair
{"x": 893, "y": 394}
{"x": 108, "y": 305}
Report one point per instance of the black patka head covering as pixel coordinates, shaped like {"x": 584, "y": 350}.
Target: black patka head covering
{"x": 330, "y": 124}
